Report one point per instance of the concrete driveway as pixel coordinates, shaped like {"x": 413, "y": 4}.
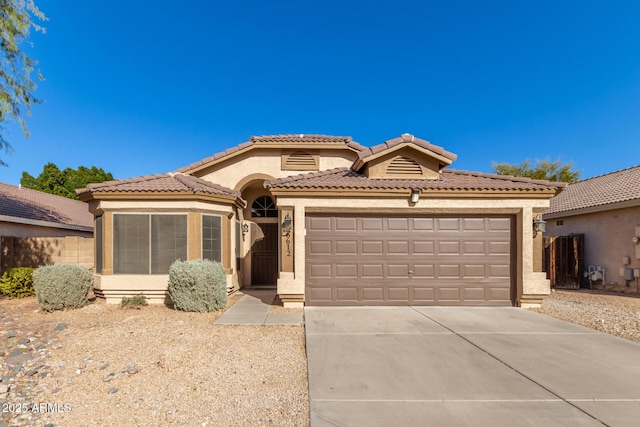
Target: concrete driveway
{"x": 464, "y": 366}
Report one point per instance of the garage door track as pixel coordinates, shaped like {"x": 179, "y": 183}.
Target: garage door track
{"x": 462, "y": 366}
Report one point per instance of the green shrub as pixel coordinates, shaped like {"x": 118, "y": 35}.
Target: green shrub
{"x": 199, "y": 285}
{"x": 135, "y": 301}
{"x": 17, "y": 282}
{"x": 59, "y": 287}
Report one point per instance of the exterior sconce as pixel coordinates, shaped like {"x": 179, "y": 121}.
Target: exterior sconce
{"x": 286, "y": 228}
{"x": 635, "y": 239}
{"x": 286, "y": 224}
{"x": 415, "y": 195}
{"x": 539, "y": 225}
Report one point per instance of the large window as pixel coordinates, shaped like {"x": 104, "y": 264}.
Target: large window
{"x": 98, "y": 244}
{"x": 144, "y": 244}
{"x": 211, "y": 238}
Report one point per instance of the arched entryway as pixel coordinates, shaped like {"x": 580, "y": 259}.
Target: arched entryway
{"x": 261, "y": 259}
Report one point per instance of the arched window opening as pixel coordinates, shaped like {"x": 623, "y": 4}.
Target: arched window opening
{"x": 263, "y": 207}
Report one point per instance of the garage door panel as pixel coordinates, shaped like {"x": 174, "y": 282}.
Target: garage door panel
{"x": 449, "y": 248}
{"x": 499, "y": 224}
{"x": 497, "y": 270}
{"x": 396, "y": 224}
{"x": 319, "y": 224}
{"x": 398, "y": 271}
{"x": 400, "y": 294}
{"x": 450, "y": 294}
{"x": 448, "y": 270}
{"x": 372, "y": 247}
{"x": 372, "y": 224}
{"x": 398, "y": 247}
{"x": 448, "y": 224}
{"x": 424, "y": 294}
{"x": 346, "y": 271}
{"x": 501, "y": 248}
{"x": 372, "y": 271}
{"x": 424, "y": 247}
{"x": 367, "y": 260}
{"x": 347, "y": 247}
{"x": 423, "y": 271}
{"x": 423, "y": 224}
{"x": 475, "y": 224}
{"x": 346, "y": 224}
{"x": 320, "y": 271}
{"x": 320, "y": 247}
{"x": 373, "y": 294}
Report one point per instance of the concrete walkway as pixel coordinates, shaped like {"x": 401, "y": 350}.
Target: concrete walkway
{"x": 463, "y": 366}
{"x": 253, "y": 309}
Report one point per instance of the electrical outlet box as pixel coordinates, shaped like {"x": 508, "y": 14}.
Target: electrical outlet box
{"x": 628, "y": 274}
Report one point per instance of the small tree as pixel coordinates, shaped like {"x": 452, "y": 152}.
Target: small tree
{"x": 554, "y": 171}
{"x": 16, "y": 85}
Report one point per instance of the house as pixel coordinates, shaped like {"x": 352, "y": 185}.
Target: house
{"x": 327, "y": 221}
{"x": 38, "y": 228}
{"x": 606, "y": 210}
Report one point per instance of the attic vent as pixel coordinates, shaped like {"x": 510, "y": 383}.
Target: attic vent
{"x": 299, "y": 160}
{"x": 404, "y": 166}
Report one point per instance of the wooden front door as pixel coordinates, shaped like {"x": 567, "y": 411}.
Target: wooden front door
{"x": 264, "y": 257}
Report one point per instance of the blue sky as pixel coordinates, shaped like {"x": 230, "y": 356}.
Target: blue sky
{"x": 142, "y": 87}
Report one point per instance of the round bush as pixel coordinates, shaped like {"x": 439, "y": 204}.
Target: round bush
{"x": 60, "y": 287}
{"x": 199, "y": 285}
{"x": 17, "y": 282}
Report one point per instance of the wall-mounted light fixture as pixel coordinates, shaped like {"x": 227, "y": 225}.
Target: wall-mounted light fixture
{"x": 286, "y": 228}
{"x": 539, "y": 225}
{"x": 635, "y": 239}
{"x": 415, "y": 195}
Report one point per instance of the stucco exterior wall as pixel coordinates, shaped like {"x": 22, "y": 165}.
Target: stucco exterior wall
{"x": 113, "y": 287}
{"x": 27, "y": 230}
{"x": 607, "y": 239}
{"x": 268, "y": 162}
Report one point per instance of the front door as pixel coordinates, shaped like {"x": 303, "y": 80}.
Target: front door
{"x": 264, "y": 257}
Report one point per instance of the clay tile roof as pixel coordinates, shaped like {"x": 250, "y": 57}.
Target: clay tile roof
{"x": 27, "y": 204}
{"x": 343, "y": 178}
{"x": 162, "y": 183}
{"x": 285, "y": 140}
{"x": 406, "y": 138}
{"x": 614, "y": 187}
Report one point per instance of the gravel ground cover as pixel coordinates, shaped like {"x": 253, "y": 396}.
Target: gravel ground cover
{"x": 612, "y": 313}
{"x": 110, "y": 366}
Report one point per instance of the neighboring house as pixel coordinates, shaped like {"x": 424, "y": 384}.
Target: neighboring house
{"x": 327, "y": 221}
{"x": 33, "y": 226}
{"x": 606, "y": 210}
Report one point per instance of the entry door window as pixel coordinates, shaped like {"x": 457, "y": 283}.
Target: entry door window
{"x": 263, "y": 207}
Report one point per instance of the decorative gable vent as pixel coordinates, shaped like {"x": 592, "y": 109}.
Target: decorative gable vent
{"x": 300, "y": 160}
{"x": 404, "y": 166}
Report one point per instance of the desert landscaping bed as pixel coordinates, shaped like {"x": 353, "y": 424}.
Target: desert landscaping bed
{"x": 106, "y": 365}
{"x": 608, "y": 312}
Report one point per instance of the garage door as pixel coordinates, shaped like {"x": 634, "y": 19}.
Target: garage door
{"x": 375, "y": 260}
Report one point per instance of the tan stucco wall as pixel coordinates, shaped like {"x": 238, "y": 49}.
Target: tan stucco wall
{"x": 529, "y": 283}
{"x": 607, "y": 238}
{"x": 113, "y": 287}
{"x": 26, "y": 230}
{"x": 268, "y": 162}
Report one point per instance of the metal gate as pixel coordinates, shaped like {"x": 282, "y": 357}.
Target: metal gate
{"x": 564, "y": 260}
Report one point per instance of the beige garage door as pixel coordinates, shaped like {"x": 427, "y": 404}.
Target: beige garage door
{"x": 383, "y": 260}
